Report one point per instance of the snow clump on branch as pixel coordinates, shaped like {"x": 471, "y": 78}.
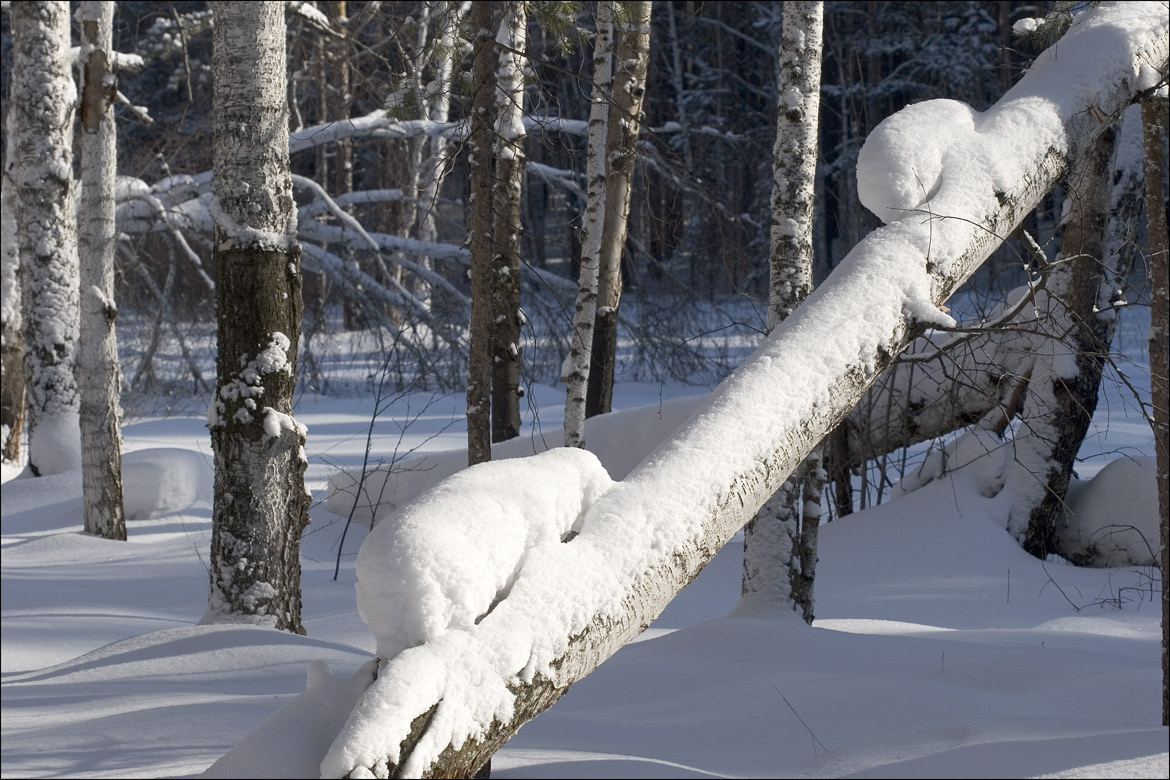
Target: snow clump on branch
{"x": 901, "y": 165}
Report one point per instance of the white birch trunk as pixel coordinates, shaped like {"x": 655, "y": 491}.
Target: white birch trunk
{"x": 435, "y": 165}
{"x": 479, "y": 351}
{"x": 99, "y": 375}
{"x": 778, "y": 564}
{"x": 1072, "y": 341}
{"x": 261, "y": 505}
{"x": 509, "y": 163}
{"x": 632, "y": 57}
{"x": 43, "y": 102}
{"x": 576, "y": 373}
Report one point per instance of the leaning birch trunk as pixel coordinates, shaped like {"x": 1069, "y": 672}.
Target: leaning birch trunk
{"x": 99, "y": 375}
{"x": 43, "y": 100}
{"x": 578, "y": 365}
{"x": 1155, "y": 122}
{"x": 641, "y": 542}
{"x": 505, "y": 280}
{"x": 631, "y": 58}
{"x": 779, "y": 543}
{"x": 11, "y": 343}
{"x": 479, "y": 357}
{"x": 1065, "y": 376}
{"x": 260, "y": 504}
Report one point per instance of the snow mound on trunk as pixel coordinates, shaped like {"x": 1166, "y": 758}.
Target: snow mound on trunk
{"x": 447, "y": 558}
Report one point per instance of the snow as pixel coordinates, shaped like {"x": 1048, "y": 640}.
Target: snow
{"x": 1122, "y": 535}
{"x": 457, "y": 549}
{"x": 940, "y": 648}
{"x": 941, "y": 157}
{"x": 57, "y": 445}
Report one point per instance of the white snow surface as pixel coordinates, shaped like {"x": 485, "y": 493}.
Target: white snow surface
{"x": 1125, "y": 534}
{"x": 939, "y": 646}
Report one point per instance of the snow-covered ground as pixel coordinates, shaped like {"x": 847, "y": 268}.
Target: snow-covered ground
{"x": 940, "y": 648}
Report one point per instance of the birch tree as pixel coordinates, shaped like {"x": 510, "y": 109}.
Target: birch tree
{"x": 43, "y": 102}
{"x": 509, "y": 161}
{"x": 631, "y": 57}
{"x": 779, "y": 553}
{"x": 578, "y": 364}
{"x": 260, "y": 505}
{"x": 1065, "y": 375}
{"x": 98, "y": 372}
{"x": 479, "y": 357}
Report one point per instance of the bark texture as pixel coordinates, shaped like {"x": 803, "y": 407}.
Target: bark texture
{"x": 1073, "y": 341}
{"x": 509, "y": 174}
{"x": 99, "y": 374}
{"x": 632, "y": 57}
{"x": 479, "y": 358}
{"x": 261, "y": 505}
{"x": 578, "y": 365}
{"x": 43, "y": 102}
{"x": 779, "y": 554}
{"x": 1155, "y": 121}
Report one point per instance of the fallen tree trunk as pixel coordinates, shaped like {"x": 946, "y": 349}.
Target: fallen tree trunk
{"x": 441, "y": 709}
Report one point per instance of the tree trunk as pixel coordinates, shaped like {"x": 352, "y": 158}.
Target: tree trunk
{"x": 1066, "y": 373}
{"x": 632, "y": 57}
{"x": 779, "y": 553}
{"x": 479, "y": 358}
{"x": 99, "y": 375}
{"x": 505, "y": 280}
{"x": 1155, "y": 122}
{"x": 436, "y": 165}
{"x": 11, "y": 343}
{"x": 578, "y": 365}
{"x": 43, "y": 100}
{"x": 260, "y": 505}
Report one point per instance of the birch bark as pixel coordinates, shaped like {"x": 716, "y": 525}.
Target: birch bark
{"x": 43, "y": 102}
{"x": 99, "y": 374}
{"x": 479, "y": 357}
{"x": 632, "y": 57}
{"x": 779, "y": 553}
{"x": 578, "y": 365}
{"x": 509, "y": 173}
{"x": 260, "y": 505}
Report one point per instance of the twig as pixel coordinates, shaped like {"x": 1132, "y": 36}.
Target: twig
{"x": 806, "y": 728}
